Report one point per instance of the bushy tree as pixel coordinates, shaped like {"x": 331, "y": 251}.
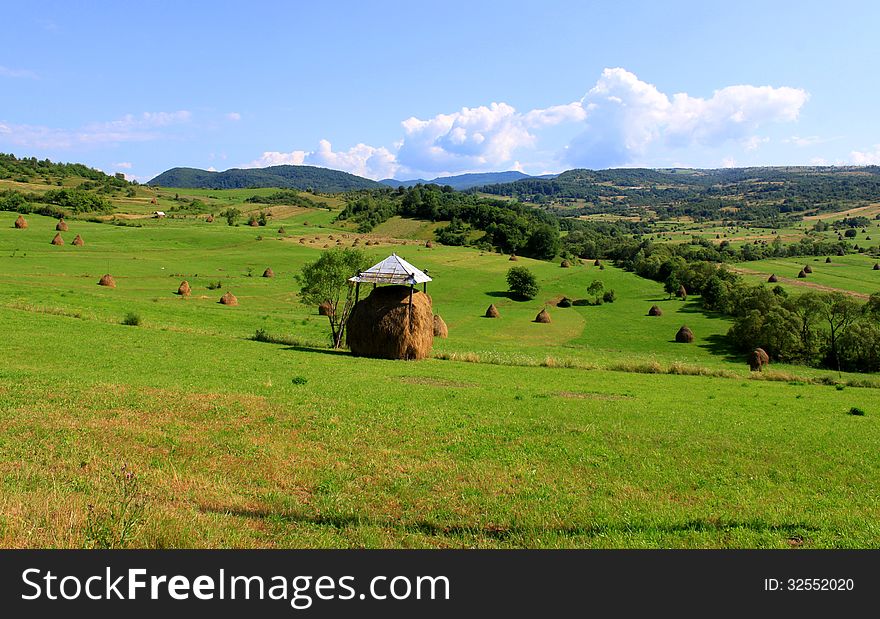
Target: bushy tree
{"x": 521, "y": 283}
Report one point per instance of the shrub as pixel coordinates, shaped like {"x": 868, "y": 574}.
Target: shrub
{"x": 215, "y": 285}
{"x": 609, "y": 296}
{"x": 132, "y": 319}
{"x": 521, "y": 283}
{"x": 856, "y": 411}
{"x": 564, "y": 302}
{"x": 299, "y": 380}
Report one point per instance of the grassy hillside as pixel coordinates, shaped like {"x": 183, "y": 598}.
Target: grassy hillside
{"x": 282, "y": 176}
{"x": 593, "y": 431}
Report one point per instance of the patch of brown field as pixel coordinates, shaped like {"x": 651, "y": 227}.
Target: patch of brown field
{"x": 870, "y": 209}
{"x": 434, "y": 382}
{"x": 803, "y": 283}
{"x": 592, "y": 396}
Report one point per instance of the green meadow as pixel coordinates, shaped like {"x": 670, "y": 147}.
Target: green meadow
{"x": 596, "y": 430}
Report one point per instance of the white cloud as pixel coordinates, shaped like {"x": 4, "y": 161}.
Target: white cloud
{"x": 123, "y": 164}
{"x": 871, "y": 157}
{"x": 802, "y": 142}
{"x": 271, "y": 158}
{"x": 363, "y": 160}
{"x": 18, "y": 73}
{"x": 728, "y": 162}
{"x": 754, "y": 142}
{"x": 233, "y": 116}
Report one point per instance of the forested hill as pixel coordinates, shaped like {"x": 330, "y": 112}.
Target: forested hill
{"x": 29, "y": 169}
{"x": 463, "y": 181}
{"x": 699, "y": 192}
{"x": 282, "y": 176}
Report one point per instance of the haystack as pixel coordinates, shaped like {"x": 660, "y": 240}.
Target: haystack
{"x": 107, "y": 280}
{"x": 682, "y": 293}
{"x": 828, "y": 260}
{"x": 543, "y": 317}
{"x": 429, "y": 245}
{"x": 565, "y": 264}
{"x": 57, "y": 240}
{"x": 20, "y": 223}
{"x": 684, "y": 335}
{"x": 802, "y": 274}
{"x": 78, "y": 241}
{"x": 655, "y": 311}
{"x": 61, "y": 226}
{"x": 492, "y": 312}
{"x": 513, "y": 258}
{"x": 228, "y": 299}
{"x": 325, "y": 309}
{"x": 808, "y": 268}
{"x": 597, "y": 263}
{"x": 773, "y": 279}
{"x": 281, "y": 230}
{"x": 268, "y": 272}
{"x": 184, "y": 289}
{"x": 209, "y": 219}
{"x": 876, "y": 266}
{"x": 440, "y": 328}
{"x": 758, "y": 358}
{"x": 385, "y": 326}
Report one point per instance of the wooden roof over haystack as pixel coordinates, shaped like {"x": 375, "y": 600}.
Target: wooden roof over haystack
{"x": 392, "y": 270}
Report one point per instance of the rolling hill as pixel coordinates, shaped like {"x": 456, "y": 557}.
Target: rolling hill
{"x": 465, "y": 181}
{"x": 282, "y": 176}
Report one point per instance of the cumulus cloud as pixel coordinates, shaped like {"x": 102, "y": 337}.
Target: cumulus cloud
{"x": 233, "y": 116}
{"x": 361, "y": 159}
{"x": 126, "y": 165}
{"x": 870, "y": 157}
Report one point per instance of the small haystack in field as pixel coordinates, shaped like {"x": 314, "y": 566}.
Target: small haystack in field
{"x": 61, "y": 226}
{"x": 20, "y": 223}
{"x": 107, "y": 280}
{"x": 513, "y": 258}
{"x": 325, "y": 309}
{"x": 877, "y": 266}
{"x": 565, "y": 264}
{"x": 57, "y": 240}
{"x": 429, "y": 245}
{"x": 808, "y": 268}
{"x": 268, "y": 272}
{"x": 597, "y": 263}
{"x": 184, "y": 289}
{"x": 228, "y": 299}
{"x": 209, "y": 219}
{"x": 393, "y": 322}
{"x": 492, "y": 312}
{"x": 440, "y": 328}
{"x": 773, "y": 279}
{"x": 281, "y": 230}
{"x": 828, "y": 260}
{"x": 78, "y": 241}
{"x": 684, "y": 335}
{"x": 802, "y": 274}
{"x": 655, "y": 311}
{"x": 682, "y": 292}
{"x": 758, "y": 358}
{"x": 543, "y": 317}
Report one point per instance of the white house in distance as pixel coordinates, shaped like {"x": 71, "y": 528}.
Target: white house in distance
{"x": 158, "y": 214}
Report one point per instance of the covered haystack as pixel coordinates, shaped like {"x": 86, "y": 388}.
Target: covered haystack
{"x": 543, "y": 317}
{"x": 385, "y": 326}
{"x": 78, "y": 241}
{"x": 565, "y": 264}
{"x": 440, "y": 328}
{"x": 492, "y": 312}
{"x": 107, "y": 280}
{"x": 209, "y": 219}
{"x": 684, "y": 335}
{"x": 61, "y": 226}
{"x": 828, "y": 260}
{"x": 57, "y": 240}
{"x": 228, "y": 299}
{"x": 268, "y": 272}
{"x": 184, "y": 289}
{"x": 802, "y": 274}
{"x": 513, "y": 258}
{"x": 655, "y": 311}
{"x": 773, "y": 279}
{"x": 20, "y": 223}
{"x": 808, "y": 268}
{"x": 325, "y": 309}
{"x": 758, "y": 358}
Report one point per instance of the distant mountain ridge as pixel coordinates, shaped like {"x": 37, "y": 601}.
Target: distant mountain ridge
{"x": 282, "y": 176}
{"x": 466, "y": 181}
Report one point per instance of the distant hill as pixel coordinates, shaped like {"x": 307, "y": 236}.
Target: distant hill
{"x": 465, "y": 181}
{"x": 282, "y": 176}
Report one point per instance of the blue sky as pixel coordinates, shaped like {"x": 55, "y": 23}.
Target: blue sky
{"x": 423, "y": 89}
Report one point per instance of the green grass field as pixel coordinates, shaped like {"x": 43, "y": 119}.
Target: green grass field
{"x": 594, "y": 431}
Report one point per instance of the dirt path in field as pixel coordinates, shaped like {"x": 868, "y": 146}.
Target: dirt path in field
{"x": 861, "y": 210}
{"x": 803, "y": 283}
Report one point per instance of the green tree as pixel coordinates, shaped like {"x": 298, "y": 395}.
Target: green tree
{"x": 232, "y": 215}
{"x": 521, "y": 283}
{"x": 595, "y": 290}
{"x": 543, "y": 243}
{"x": 326, "y": 280}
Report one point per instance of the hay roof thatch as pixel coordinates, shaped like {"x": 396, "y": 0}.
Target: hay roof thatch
{"x": 385, "y": 325}
{"x": 228, "y": 299}
{"x": 78, "y": 241}
{"x": 684, "y": 335}
{"x": 440, "y": 328}
{"x": 492, "y": 312}
{"x": 392, "y": 270}
{"x": 61, "y": 226}
{"x": 808, "y": 268}
{"x": 268, "y": 272}
{"x": 184, "y": 289}
{"x": 758, "y": 358}
{"x": 57, "y": 240}
{"x": 655, "y": 311}
{"x": 543, "y": 317}
{"x": 20, "y": 223}
{"x": 107, "y": 280}
{"x": 773, "y": 279}
{"x": 802, "y": 274}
